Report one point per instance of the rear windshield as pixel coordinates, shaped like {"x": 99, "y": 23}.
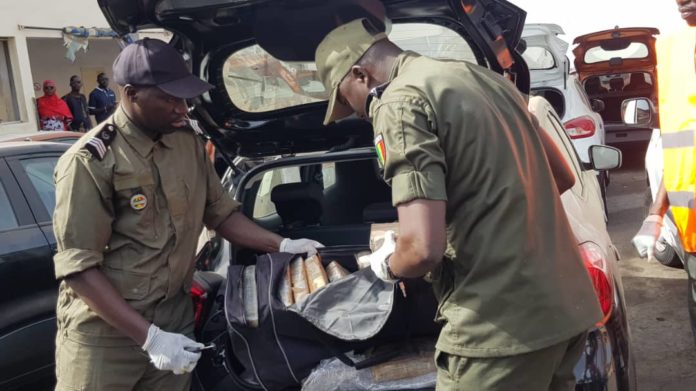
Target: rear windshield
{"x": 538, "y": 58}
{"x": 257, "y": 82}
{"x": 635, "y": 50}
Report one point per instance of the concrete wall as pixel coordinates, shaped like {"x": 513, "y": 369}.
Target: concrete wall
{"x": 18, "y": 19}
{"x": 47, "y": 58}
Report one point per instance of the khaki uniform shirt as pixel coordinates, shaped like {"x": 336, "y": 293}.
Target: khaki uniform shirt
{"x": 136, "y": 215}
{"x": 512, "y": 280}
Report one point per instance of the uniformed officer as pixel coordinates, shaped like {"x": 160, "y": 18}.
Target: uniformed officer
{"x": 131, "y": 198}
{"x": 676, "y": 81}
{"x": 478, "y": 207}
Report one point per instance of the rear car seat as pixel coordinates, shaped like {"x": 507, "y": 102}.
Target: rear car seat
{"x": 298, "y": 204}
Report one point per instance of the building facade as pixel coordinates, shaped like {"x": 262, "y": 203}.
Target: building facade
{"x": 32, "y": 49}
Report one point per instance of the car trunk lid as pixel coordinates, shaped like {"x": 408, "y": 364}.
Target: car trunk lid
{"x": 617, "y": 50}
{"x": 207, "y": 32}
{"x": 545, "y": 54}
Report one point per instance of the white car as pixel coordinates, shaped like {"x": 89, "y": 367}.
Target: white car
{"x": 549, "y": 69}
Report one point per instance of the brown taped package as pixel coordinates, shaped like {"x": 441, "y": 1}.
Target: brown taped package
{"x": 335, "y": 271}
{"x": 377, "y": 233}
{"x": 298, "y": 276}
{"x": 285, "y": 288}
{"x": 316, "y": 275}
{"x": 250, "y": 298}
{"x": 404, "y": 368}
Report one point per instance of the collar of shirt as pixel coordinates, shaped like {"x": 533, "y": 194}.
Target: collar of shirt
{"x": 403, "y": 58}
{"x": 135, "y": 137}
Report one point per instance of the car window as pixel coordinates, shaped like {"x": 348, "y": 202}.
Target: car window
{"x": 263, "y": 205}
{"x": 634, "y": 50}
{"x": 538, "y": 58}
{"x": 8, "y": 220}
{"x": 257, "y": 82}
{"x": 40, "y": 173}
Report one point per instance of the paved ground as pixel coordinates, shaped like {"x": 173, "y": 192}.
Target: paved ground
{"x": 663, "y": 346}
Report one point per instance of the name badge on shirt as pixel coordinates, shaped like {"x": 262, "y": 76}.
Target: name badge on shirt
{"x": 138, "y": 201}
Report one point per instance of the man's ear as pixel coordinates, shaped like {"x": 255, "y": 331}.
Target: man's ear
{"x": 360, "y": 74}
{"x": 131, "y": 92}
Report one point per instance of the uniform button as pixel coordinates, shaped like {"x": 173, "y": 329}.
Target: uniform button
{"x": 135, "y": 290}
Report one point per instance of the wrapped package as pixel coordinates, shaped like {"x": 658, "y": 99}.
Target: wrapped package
{"x": 316, "y": 275}
{"x": 411, "y": 371}
{"x": 298, "y": 277}
{"x": 377, "y": 232}
{"x": 285, "y": 288}
{"x": 404, "y": 368}
{"x": 362, "y": 259}
{"x": 335, "y": 271}
{"x": 251, "y": 300}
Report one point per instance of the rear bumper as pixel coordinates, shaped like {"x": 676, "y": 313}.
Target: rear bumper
{"x": 622, "y": 136}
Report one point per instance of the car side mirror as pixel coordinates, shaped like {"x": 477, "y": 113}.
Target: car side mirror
{"x": 597, "y": 105}
{"x": 638, "y": 111}
{"x": 604, "y": 157}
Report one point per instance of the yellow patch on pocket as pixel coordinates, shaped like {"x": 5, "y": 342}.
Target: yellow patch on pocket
{"x": 138, "y": 201}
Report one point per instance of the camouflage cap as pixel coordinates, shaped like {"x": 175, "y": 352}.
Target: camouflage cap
{"x": 337, "y": 53}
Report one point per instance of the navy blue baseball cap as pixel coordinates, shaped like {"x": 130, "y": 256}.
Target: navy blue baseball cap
{"x": 152, "y": 62}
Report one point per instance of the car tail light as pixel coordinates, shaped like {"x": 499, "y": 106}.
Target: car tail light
{"x": 596, "y": 265}
{"x": 580, "y": 127}
{"x": 199, "y": 296}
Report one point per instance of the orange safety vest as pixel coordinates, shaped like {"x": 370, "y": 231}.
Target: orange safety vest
{"x": 676, "y": 76}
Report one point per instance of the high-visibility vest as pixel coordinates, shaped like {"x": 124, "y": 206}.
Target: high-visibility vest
{"x": 677, "y": 106}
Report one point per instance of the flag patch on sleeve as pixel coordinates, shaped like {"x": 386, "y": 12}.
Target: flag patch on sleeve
{"x": 381, "y": 149}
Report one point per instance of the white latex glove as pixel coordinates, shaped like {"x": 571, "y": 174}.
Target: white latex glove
{"x": 300, "y": 246}
{"x": 647, "y": 235}
{"x": 171, "y": 351}
{"x": 378, "y": 259}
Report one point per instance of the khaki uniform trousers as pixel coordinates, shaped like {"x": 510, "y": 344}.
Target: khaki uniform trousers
{"x": 546, "y": 369}
{"x": 86, "y": 367}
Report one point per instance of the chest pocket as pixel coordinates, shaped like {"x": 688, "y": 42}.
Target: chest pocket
{"x": 135, "y": 203}
{"x": 179, "y": 198}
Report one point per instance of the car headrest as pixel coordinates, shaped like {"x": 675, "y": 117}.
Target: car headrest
{"x": 298, "y": 204}
{"x": 616, "y": 83}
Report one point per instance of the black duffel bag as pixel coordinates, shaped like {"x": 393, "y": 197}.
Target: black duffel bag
{"x": 355, "y": 313}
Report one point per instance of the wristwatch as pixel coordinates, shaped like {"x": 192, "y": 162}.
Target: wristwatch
{"x": 391, "y": 274}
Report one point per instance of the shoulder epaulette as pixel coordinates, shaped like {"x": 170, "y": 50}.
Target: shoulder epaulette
{"x": 99, "y": 143}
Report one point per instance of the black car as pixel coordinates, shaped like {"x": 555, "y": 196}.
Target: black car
{"x": 27, "y": 280}
{"x": 268, "y": 102}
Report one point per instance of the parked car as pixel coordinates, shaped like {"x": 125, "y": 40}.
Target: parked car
{"x": 615, "y": 65}
{"x": 268, "y": 102}
{"x": 345, "y": 176}
{"x": 27, "y": 244}
{"x": 550, "y": 77}
{"x": 52, "y": 136}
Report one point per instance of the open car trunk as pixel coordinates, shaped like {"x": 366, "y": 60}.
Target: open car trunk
{"x": 545, "y": 55}
{"x": 287, "y": 33}
{"x": 615, "y": 65}
{"x": 340, "y": 200}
